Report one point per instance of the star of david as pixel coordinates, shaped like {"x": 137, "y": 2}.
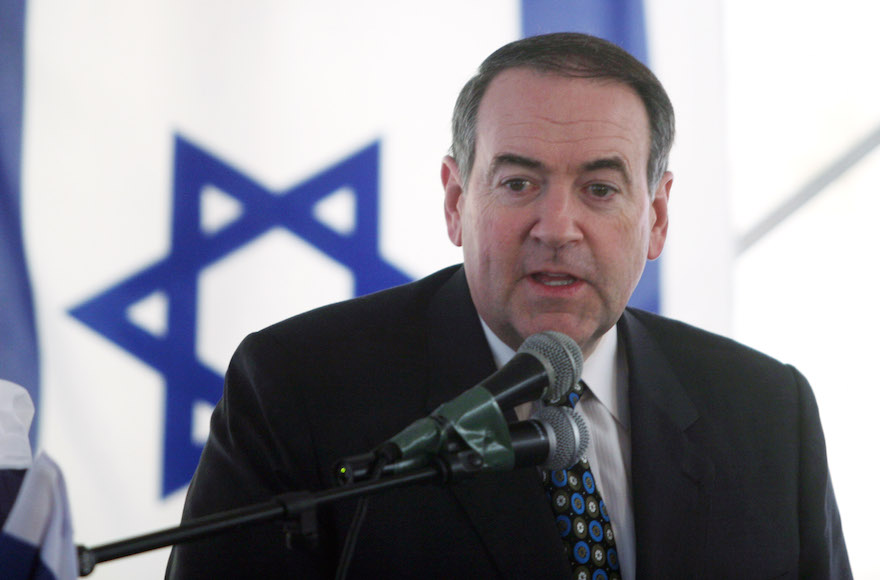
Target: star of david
{"x": 173, "y": 352}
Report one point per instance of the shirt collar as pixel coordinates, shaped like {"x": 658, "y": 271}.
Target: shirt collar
{"x": 604, "y": 371}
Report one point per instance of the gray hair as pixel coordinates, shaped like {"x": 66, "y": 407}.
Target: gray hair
{"x": 572, "y": 55}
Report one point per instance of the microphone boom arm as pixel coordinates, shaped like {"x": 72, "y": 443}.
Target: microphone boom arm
{"x": 445, "y": 468}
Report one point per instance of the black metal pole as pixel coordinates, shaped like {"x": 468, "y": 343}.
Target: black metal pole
{"x": 284, "y": 506}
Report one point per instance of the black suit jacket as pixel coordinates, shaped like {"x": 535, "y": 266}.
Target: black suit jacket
{"x": 728, "y": 459}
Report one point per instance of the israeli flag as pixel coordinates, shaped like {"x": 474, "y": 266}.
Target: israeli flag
{"x": 177, "y": 174}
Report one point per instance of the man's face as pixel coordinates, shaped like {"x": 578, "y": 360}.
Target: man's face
{"x": 556, "y": 220}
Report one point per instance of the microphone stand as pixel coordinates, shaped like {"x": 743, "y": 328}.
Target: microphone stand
{"x": 447, "y": 467}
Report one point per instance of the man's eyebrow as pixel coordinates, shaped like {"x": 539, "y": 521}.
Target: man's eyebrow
{"x": 614, "y": 163}
{"x": 505, "y": 159}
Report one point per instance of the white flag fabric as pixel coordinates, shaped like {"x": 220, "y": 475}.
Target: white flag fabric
{"x": 16, "y": 414}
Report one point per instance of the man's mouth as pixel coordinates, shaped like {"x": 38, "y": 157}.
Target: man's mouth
{"x": 550, "y": 279}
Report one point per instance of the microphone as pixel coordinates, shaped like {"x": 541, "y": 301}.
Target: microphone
{"x": 546, "y": 366}
{"x": 554, "y": 438}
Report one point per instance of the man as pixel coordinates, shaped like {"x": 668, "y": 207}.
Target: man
{"x": 710, "y": 456}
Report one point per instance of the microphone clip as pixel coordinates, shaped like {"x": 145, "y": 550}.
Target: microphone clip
{"x": 467, "y": 434}
{"x": 455, "y": 460}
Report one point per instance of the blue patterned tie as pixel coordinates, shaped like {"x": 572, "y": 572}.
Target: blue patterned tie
{"x": 581, "y": 514}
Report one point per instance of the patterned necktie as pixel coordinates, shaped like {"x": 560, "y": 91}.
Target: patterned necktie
{"x": 581, "y": 515}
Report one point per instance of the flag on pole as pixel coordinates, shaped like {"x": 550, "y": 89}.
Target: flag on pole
{"x": 37, "y": 539}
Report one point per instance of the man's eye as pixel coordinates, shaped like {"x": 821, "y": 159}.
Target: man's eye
{"x": 517, "y": 185}
{"x": 601, "y": 190}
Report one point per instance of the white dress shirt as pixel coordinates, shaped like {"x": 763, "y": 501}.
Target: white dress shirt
{"x": 606, "y": 408}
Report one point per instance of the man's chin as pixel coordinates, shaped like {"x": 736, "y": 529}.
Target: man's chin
{"x": 585, "y": 333}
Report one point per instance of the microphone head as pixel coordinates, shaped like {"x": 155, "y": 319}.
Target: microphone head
{"x": 568, "y": 434}
{"x": 562, "y": 358}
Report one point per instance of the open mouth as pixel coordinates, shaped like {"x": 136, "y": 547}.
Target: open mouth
{"x": 550, "y": 279}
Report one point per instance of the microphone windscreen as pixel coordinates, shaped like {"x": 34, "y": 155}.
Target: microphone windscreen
{"x": 563, "y": 355}
{"x": 568, "y": 433}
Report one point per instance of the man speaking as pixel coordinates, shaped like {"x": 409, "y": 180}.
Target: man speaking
{"x": 706, "y": 458}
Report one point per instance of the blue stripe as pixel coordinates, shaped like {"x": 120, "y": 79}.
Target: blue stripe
{"x": 623, "y": 23}
{"x": 18, "y": 342}
{"x": 620, "y": 21}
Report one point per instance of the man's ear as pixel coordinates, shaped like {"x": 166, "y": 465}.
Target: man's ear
{"x": 660, "y": 216}
{"x": 454, "y": 188}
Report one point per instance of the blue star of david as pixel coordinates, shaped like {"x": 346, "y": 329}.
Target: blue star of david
{"x": 173, "y": 354}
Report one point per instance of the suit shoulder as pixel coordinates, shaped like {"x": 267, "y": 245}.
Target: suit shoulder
{"x": 689, "y": 345}
{"x": 723, "y": 378}
{"x": 373, "y": 317}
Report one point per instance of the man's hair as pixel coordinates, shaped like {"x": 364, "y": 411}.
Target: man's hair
{"x": 566, "y": 54}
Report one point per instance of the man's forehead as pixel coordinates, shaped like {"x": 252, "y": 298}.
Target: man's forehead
{"x": 536, "y": 109}
{"x": 512, "y": 86}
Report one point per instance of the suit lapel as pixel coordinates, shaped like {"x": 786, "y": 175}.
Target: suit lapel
{"x": 508, "y": 510}
{"x": 458, "y": 354}
{"x": 671, "y": 473}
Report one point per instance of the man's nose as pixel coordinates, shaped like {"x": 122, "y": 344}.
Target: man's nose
{"x": 556, "y": 222}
